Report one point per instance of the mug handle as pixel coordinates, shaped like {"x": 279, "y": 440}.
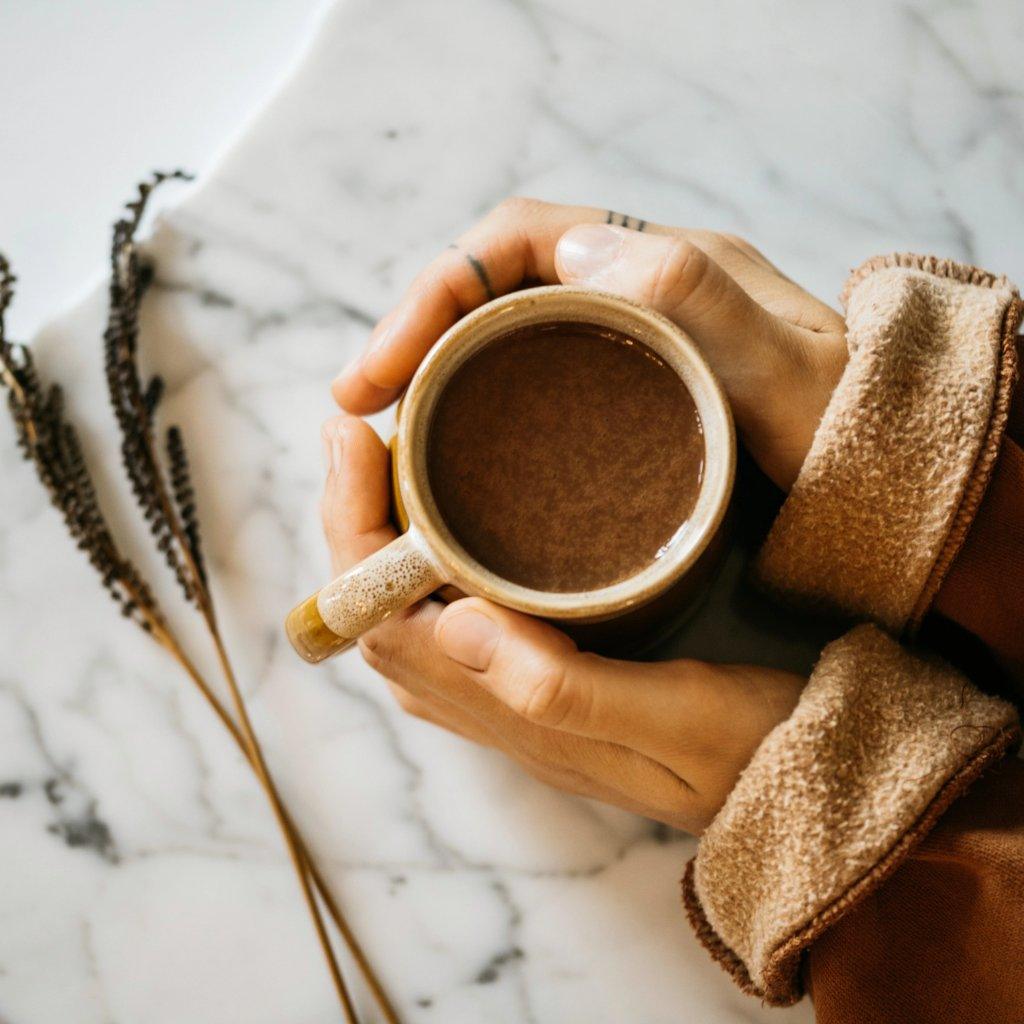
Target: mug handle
{"x": 333, "y": 619}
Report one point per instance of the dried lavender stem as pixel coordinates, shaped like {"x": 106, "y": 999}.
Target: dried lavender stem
{"x": 52, "y": 445}
{"x": 297, "y": 854}
{"x": 247, "y": 736}
{"x": 246, "y": 740}
{"x": 296, "y": 847}
{"x": 355, "y": 948}
{"x": 11, "y": 382}
{"x": 164, "y": 637}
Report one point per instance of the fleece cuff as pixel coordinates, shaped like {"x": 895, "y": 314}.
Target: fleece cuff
{"x": 834, "y": 799}
{"x": 905, "y": 449}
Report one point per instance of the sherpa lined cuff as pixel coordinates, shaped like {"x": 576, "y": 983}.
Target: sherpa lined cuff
{"x": 833, "y": 801}
{"x": 905, "y": 449}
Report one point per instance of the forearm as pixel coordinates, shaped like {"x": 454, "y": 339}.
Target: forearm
{"x": 942, "y": 939}
{"x": 873, "y": 849}
{"x": 835, "y": 802}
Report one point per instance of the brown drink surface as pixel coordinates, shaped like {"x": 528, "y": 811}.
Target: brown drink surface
{"x": 564, "y": 457}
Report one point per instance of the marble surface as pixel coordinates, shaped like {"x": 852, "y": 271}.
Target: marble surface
{"x": 141, "y": 878}
{"x": 97, "y": 90}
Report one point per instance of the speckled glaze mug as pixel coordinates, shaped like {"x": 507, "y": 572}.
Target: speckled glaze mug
{"x": 427, "y": 557}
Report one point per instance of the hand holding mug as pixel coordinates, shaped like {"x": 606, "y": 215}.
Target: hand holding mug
{"x": 777, "y": 350}
{"x": 666, "y": 740}
{"x": 561, "y": 451}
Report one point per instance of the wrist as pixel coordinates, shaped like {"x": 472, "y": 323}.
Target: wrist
{"x": 833, "y": 801}
{"x": 778, "y": 422}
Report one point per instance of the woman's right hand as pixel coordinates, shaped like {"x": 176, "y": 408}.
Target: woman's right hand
{"x": 777, "y": 350}
{"x": 664, "y": 739}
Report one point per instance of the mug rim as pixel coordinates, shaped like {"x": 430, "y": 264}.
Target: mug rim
{"x": 548, "y": 304}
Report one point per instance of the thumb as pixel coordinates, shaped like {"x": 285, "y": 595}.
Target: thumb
{"x": 536, "y": 671}
{"x": 679, "y": 279}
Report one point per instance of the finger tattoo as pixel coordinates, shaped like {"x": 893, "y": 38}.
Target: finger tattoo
{"x": 623, "y": 220}
{"x": 481, "y": 272}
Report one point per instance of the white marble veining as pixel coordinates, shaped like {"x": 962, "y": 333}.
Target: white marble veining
{"x": 141, "y": 878}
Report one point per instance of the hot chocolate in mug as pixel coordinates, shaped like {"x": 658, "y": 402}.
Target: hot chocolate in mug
{"x": 497, "y": 424}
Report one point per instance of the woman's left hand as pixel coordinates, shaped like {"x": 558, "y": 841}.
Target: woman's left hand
{"x": 666, "y": 740}
{"x": 777, "y": 351}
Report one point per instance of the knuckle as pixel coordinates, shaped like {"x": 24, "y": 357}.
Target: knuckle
{"x": 515, "y": 207}
{"x": 377, "y": 650}
{"x": 735, "y": 240}
{"x": 409, "y": 704}
{"x": 567, "y": 780}
{"x": 535, "y": 771}
{"x": 681, "y": 822}
{"x": 681, "y": 808}
{"x": 681, "y": 271}
{"x": 549, "y": 698}
{"x": 528, "y": 760}
{"x": 555, "y": 776}
{"x": 327, "y": 516}
{"x": 748, "y": 249}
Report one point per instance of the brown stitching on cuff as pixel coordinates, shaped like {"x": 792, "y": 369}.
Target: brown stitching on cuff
{"x": 782, "y": 980}
{"x": 981, "y": 474}
{"x": 708, "y": 937}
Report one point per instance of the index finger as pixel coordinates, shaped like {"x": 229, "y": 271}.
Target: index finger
{"x": 356, "y": 503}
{"x": 356, "y": 511}
{"x": 513, "y": 244}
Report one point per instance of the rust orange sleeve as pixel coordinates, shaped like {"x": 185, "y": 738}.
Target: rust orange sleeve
{"x": 984, "y": 588}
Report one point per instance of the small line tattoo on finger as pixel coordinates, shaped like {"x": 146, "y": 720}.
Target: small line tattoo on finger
{"x": 623, "y": 220}
{"x": 481, "y": 272}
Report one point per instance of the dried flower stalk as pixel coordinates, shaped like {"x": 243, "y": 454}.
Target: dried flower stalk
{"x": 51, "y": 443}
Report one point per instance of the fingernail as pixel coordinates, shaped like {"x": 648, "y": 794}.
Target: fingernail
{"x": 469, "y": 637}
{"x": 588, "y": 249}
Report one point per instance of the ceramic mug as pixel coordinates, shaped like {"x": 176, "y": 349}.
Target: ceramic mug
{"x": 426, "y": 557}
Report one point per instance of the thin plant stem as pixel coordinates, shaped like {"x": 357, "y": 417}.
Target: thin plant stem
{"x": 259, "y": 765}
{"x": 163, "y": 636}
{"x": 247, "y": 737}
{"x": 346, "y": 932}
{"x": 353, "y": 944}
{"x": 52, "y": 444}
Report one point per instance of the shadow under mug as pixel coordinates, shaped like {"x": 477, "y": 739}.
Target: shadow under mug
{"x": 426, "y": 557}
